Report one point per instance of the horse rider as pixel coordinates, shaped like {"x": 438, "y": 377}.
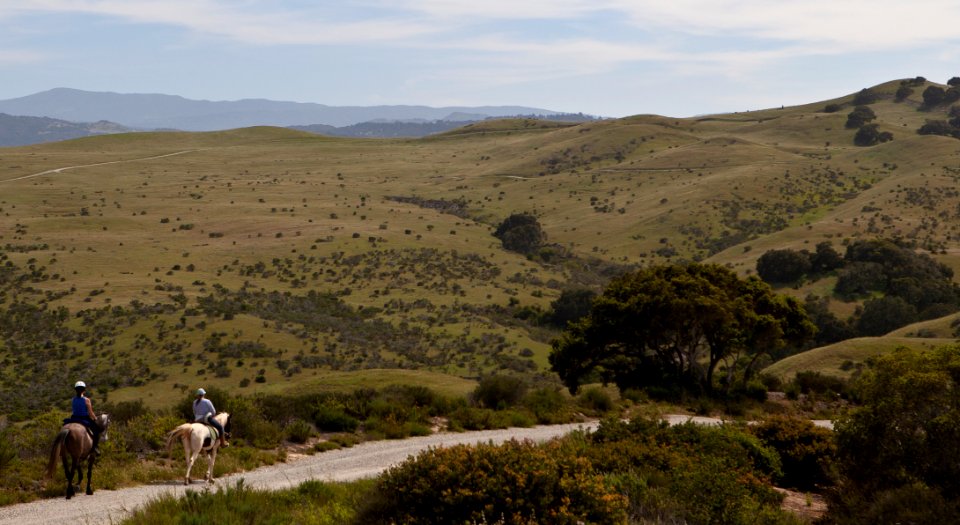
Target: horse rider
{"x": 83, "y": 414}
{"x": 203, "y": 412}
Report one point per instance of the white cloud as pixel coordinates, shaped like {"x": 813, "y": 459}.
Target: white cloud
{"x": 748, "y": 34}
{"x": 14, "y": 56}
{"x": 249, "y": 22}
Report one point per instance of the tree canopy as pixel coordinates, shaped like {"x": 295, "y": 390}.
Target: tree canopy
{"x": 899, "y": 453}
{"x": 521, "y": 232}
{"x": 671, "y": 326}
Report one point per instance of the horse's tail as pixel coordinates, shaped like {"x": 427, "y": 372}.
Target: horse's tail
{"x": 55, "y": 451}
{"x": 177, "y": 433}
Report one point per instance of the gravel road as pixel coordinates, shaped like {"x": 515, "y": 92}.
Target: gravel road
{"x": 361, "y": 461}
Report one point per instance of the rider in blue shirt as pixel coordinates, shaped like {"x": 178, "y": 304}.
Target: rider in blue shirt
{"x": 83, "y": 414}
{"x": 203, "y": 412}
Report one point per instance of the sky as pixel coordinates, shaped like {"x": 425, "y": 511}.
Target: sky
{"x": 610, "y": 58}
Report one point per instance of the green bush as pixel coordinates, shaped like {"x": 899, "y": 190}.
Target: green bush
{"x": 330, "y": 417}
{"x": 298, "y": 431}
{"x": 804, "y": 450}
{"x": 516, "y": 483}
{"x": 596, "y": 400}
{"x": 499, "y": 391}
{"x": 549, "y": 406}
{"x": 688, "y": 473}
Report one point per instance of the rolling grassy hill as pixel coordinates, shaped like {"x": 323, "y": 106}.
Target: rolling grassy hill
{"x": 275, "y": 259}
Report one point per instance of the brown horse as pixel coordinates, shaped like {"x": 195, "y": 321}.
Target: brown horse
{"x": 73, "y": 445}
{"x": 196, "y": 438}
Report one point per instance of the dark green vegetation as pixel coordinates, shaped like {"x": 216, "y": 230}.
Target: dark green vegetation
{"x": 669, "y": 328}
{"x": 898, "y": 285}
{"x": 899, "y": 455}
{"x": 638, "y": 472}
{"x": 261, "y": 425}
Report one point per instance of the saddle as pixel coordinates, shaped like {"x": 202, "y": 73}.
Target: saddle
{"x": 86, "y": 424}
{"x": 214, "y": 436}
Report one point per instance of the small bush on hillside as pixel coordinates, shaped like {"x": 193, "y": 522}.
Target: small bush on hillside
{"x": 597, "y": 400}
{"x": 859, "y": 116}
{"x": 499, "y": 391}
{"x": 549, "y": 406}
{"x": 332, "y": 417}
{"x": 298, "y": 431}
{"x": 938, "y": 127}
{"x": 933, "y": 96}
{"x": 903, "y": 92}
{"x": 783, "y": 266}
{"x": 521, "y": 232}
{"x": 832, "y": 108}
{"x": 814, "y": 382}
{"x": 864, "y": 97}
{"x": 870, "y": 135}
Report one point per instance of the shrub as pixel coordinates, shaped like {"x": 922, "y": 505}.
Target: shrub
{"x": 903, "y": 92}
{"x": 688, "y": 473}
{"x": 783, "y": 266}
{"x": 596, "y": 399}
{"x": 808, "y": 382}
{"x": 803, "y": 447}
{"x": 521, "y": 232}
{"x": 331, "y": 417}
{"x": 499, "y": 391}
{"x": 298, "y": 431}
{"x": 870, "y": 135}
{"x": 548, "y": 405}
{"x": 517, "y": 482}
{"x": 832, "y": 108}
{"x": 865, "y": 96}
{"x": 898, "y": 455}
{"x": 933, "y": 96}
{"x": 937, "y": 127}
{"x": 859, "y": 116}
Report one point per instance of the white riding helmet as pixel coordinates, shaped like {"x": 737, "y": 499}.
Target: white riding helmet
{"x": 79, "y": 384}
{"x": 201, "y": 392}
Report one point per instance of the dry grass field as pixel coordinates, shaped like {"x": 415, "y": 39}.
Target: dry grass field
{"x": 189, "y": 258}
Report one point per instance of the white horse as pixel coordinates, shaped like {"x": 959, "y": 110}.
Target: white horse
{"x": 196, "y": 438}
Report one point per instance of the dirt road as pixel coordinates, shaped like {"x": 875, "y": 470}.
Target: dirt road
{"x": 361, "y": 461}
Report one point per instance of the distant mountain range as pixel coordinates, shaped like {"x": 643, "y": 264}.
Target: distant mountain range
{"x": 22, "y": 131}
{"x": 147, "y": 112}
{"x": 413, "y": 129}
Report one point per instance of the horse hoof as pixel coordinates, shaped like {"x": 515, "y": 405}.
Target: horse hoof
{"x": 89, "y": 492}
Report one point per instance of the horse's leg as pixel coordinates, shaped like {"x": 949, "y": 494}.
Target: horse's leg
{"x": 211, "y": 458}
{"x": 67, "y": 473}
{"x": 73, "y": 468}
{"x": 90, "y": 475}
{"x": 193, "y": 459}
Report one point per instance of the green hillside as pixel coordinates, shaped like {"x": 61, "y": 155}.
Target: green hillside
{"x": 268, "y": 259}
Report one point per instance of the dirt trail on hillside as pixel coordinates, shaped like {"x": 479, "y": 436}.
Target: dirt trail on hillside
{"x": 65, "y": 168}
{"x": 361, "y": 461}
{"x": 365, "y": 460}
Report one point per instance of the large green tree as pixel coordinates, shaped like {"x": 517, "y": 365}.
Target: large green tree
{"x": 898, "y": 454}
{"x": 671, "y": 326}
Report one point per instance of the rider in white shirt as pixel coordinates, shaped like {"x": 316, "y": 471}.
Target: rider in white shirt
{"x": 203, "y": 412}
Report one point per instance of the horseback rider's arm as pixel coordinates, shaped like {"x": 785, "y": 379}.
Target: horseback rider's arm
{"x": 90, "y": 408}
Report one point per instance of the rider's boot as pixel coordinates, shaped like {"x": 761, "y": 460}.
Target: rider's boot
{"x": 223, "y": 442}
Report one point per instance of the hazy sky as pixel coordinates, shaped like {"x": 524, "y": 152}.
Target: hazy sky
{"x": 605, "y": 57}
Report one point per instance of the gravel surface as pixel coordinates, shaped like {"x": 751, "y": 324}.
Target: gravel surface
{"x": 361, "y": 461}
